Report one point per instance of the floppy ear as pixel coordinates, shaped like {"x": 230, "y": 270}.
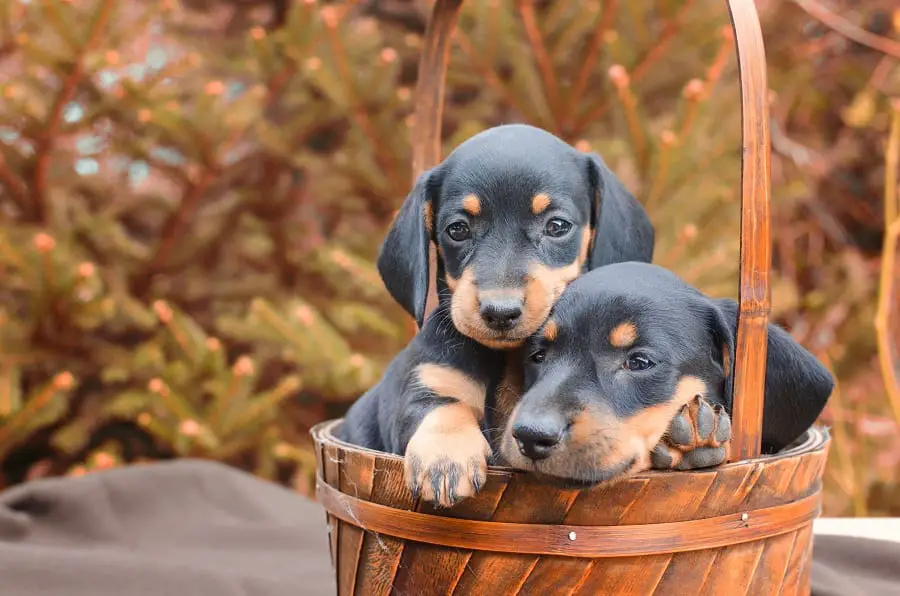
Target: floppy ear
{"x": 722, "y": 352}
{"x": 403, "y": 258}
{"x": 622, "y": 228}
{"x": 797, "y": 385}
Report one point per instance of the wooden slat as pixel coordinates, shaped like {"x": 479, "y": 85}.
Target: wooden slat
{"x": 730, "y": 489}
{"x": 556, "y": 575}
{"x": 769, "y": 575}
{"x": 429, "y": 107}
{"x": 331, "y": 465}
{"x": 427, "y": 564}
{"x": 687, "y": 572}
{"x": 357, "y": 471}
{"x": 803, "y": 585}
{"x": 809, "y": 473}
{"x": 525, "y": 501}
{"x": 754, "y": 293}
{"x": 382, "y": 553}
{"x": 562, "y": 575}
{"x": 430, "y": 85}
{"x": 682, "y": 495}
{"x": 800, "y": 550}
{"x": 627, "y": 575}
{"x": 773, "y": 486}
{"x": 733, "y": 570}
{"x": 323, "y": 473}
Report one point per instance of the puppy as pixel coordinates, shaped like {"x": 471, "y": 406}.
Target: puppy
{"x": 515, "y": 215}
{"x": 633, "y": 370}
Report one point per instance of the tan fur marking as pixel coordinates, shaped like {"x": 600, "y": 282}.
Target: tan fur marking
{"x": 500, "y": 344}
{"x": 452, "y": 418}
{"x": 545, "y": 285}
{"x": 429, "y": 218}
{"x": 588, "y": 425}
{"x": 448, "y": 438}
{"x": 450, "y": 382}
{"x": 539, "y": 203}
{"x": 452, "y": 282}
{"x": 471, "y": 204}
{"x": 650, "y": 424}
{"x": 465, "y": 312}
{"x": 623, "y": 335}
{"x": 551, "y": 330}
{"x": 726, "y": 360}
{"x": 587, "y": 237}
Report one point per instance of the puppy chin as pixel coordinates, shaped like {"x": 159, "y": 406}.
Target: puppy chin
{"x": 509, "y": 340}
{"x": 573, "y": 476}
{"x": 499, "y": 344}
{"x": 566, "y": 470}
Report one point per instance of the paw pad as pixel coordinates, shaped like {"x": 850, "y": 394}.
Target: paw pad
{"x": 698, "y": 437}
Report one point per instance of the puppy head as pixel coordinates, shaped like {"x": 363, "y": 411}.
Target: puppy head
{"x": 626, "y": 346}
{"x": 516, "y": 214}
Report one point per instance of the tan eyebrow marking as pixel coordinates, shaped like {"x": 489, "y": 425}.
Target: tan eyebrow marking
{"x": 623, "y": 335}
{"x": 540, "y": 202}
{"x": 471, "y": 204}
{"x": 551, "y": 330}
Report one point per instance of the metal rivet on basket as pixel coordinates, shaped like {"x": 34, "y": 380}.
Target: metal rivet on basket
{"x": 745, "y": 516}
{"x": 572, "y": 535}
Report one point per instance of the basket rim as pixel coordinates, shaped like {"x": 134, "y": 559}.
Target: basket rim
{"x": 815, "y": 438}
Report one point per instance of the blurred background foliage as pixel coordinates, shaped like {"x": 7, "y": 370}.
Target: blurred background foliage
{"x": 192, "y": 194}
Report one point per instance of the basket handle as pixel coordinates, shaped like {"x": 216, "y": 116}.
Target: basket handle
{"x": 754, "y": 294}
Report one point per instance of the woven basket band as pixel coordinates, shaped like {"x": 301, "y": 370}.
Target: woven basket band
{"x": 570, "y": 541}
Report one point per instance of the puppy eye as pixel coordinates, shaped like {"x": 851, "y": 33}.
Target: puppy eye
{"x": 459, "y": 231}
{"x": 638, "y": 362}
{"x": 538, "y": 356}
{"x": 557, "y": 227}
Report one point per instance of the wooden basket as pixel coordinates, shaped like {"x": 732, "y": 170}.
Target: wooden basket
{"x": 744, "y": 527}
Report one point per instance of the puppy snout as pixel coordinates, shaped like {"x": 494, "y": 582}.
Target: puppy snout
{"x": 501, "y": 313}
{"x": 538, "y": 438}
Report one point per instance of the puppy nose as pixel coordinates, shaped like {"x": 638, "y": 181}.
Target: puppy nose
{"x": 538, "y": 439}
{"x": 501, "y": 314}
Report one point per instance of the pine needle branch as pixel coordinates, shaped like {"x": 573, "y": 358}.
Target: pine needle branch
{"x": 849, "y": 30}
{"x": 14, "y": 185}
{"x": 46, "y": 142}
{"x": 642, "y": 67}
{"x": 610, "y": 10}
{"x": 542, "y": 58}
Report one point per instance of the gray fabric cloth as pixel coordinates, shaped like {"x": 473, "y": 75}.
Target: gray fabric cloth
{"x": 848, "y": 566}
{"x": 181, "y": 528}
{"x": 196, "y": 528}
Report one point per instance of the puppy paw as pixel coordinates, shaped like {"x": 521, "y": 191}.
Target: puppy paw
{"x": 698, "y": 437}
{"x": 446, "y": 465}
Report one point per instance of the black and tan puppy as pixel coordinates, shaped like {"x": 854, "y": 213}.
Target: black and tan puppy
{"x": 515, "y": 215}
{"x": 632, "y": 371}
